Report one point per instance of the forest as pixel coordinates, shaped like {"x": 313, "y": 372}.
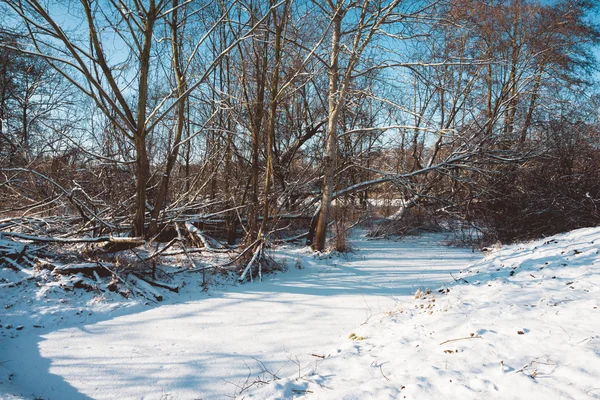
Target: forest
{"x": 259, "y": 121}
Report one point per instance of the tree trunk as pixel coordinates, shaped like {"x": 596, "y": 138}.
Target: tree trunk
{"x": 257, "y": 113}
{"x": 532, "y": 104}
{"x": 180, "y": 117}
{"x": 142, "y": 164}
{"x": 334, "y": 104}
{"x": 273, "y": 101}
{"x": 142, "y": 173}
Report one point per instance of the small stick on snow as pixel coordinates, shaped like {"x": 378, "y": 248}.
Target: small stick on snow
{"x": 381, "y": 370}
{"x": 459, "y": 279}
{"x": 463, "y": 338}
{"x": 523, "y": 368}
{"x": 565, "y": 331}
{"x": 587, "y": 338}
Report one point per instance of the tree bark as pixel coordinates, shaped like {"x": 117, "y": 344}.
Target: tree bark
{"x": 180, "y": 117}
{"x": 142, "y": 173}
{"x": 331, "y": 151}
{"x": 142, "y": 163}
{"x": 273, "y": 101}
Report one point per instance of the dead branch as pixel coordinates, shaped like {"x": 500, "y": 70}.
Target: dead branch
{"x": 144, "y": 288}
{"x": 196, "y": 233}
{"x": 162, "y": 285}
{"x": 84, "y": 268}
{"x": 251, "y": 263}
{"x": 162, "y": 250}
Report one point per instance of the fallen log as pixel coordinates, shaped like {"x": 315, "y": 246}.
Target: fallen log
{"x": 16, "y": 266}
{"x": 117, "y": 278}
{"x": 17, "y": 283}
{"x": 85, "y": 268}
{"x": 101, "y": 239}
{"x": 248, "y": 268}
{"x": 78, "y": 281}
{"x": 9, "y": 247}
{"x": 196, "y": 233}
{"x": 17, "y": 251}
{"x": 143, "y": 288}
{"x": 298, "y": 237}
{"x": 163, "y": 285}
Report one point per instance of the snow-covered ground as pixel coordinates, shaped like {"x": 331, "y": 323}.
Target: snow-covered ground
{"x": 210, "y": 344}
{"x": 521, "y": 323}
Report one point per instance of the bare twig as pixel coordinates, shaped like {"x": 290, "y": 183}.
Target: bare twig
{"x": 381, "y": 370}
{"x": 464, "y": 338}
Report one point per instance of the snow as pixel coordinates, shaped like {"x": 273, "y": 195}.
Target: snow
{"x": 526, "y": 325}
{"x": 520, "y": 323}
{"x": 210, "y": 344}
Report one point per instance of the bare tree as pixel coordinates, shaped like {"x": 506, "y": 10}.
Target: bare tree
{"x": 372, "y": 15}
{"x": 121, "y": 88}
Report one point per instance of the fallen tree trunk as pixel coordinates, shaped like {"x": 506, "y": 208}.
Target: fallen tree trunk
{"x": 84, "y": 268}
{"x": 163, "y": 285}
{"x": 143, "y": 288}
{"x": 16, "y": 266}
{"x": 196, "y": 233}
{"x": 255, "y": 257}
{"x": 101, "y": 239}
{"x": 17, "y": 283}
